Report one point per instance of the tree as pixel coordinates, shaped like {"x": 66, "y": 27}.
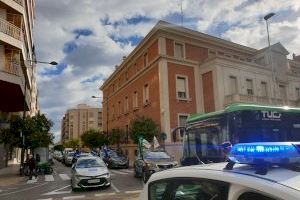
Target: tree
{"x": 115, "y": 136}
{"x": 58, "y": 147}
{"x": 74, "y": 144}
{"x": 143, "y": 126}
{"x": 9, "y": 140}
{"x": 93, "y": 139}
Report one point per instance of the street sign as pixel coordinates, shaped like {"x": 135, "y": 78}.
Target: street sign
{"x": 163, "y": 136}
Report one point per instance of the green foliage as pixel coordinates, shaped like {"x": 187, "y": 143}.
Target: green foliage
{"x": 74, "y": 144}
{"x": 143, "y": 126}
{"x": 58, "y": 147}
{"x": 93, "y": 139}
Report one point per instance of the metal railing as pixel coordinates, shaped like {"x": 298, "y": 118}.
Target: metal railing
{"x": 12, "y": 67}
{"x": 10, "y": 29}
{"x": 20, "y": 2}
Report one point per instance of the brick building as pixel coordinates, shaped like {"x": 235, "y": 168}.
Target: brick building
{"x": 175, "y": 71}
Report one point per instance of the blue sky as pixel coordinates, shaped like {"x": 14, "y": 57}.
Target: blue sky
{"x": 88, "y": 38}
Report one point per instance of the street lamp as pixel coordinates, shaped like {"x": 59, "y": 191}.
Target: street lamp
{"x": 24, "y": 105}
{"x": 268, "y": 16}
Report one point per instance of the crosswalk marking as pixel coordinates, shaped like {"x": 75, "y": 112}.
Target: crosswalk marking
{"x": 105, "y": 194}
{"x": 64, "y": 177}
{"x": 49, "y": 178}
{"x": 127, "y": 170}
{"x": 74, "y": 197}
{"x": 33, "y": 180}
{"x": 133, "y": 192}
{"x": 118, "y": 172}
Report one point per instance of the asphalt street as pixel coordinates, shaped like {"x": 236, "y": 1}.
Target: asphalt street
{"x": 57, "y": 187}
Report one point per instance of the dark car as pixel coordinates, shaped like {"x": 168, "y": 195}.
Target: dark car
{"x": 114, "y": 160}
{"x": 150, "y": 162}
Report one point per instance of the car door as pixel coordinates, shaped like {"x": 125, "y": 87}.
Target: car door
{"x": 188, "y": 189}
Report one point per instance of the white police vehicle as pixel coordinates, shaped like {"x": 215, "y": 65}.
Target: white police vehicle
{"x": 262, "y": 171}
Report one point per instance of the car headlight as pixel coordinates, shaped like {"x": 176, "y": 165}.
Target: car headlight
{"x": 79, "y": 177}
{"x": 151, "y": 165}
{"x": 106, "y": 175}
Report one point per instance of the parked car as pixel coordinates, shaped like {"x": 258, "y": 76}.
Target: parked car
{"x": 80, "y": 155}
{"x": 58, "y": 155}
{"x": 149, "y": 162}
{"x": 90, "y": 172}
{"x": 65, "y": 153}
{"x": 68, "y": 158}
{"x": 115, "y": 160}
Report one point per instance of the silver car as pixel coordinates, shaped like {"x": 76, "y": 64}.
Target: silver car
{"x": 89, "y": 172}
{"x": 68, "y": 158}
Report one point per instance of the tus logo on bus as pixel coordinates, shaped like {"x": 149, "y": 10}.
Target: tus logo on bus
{"x": 271, "y": 115}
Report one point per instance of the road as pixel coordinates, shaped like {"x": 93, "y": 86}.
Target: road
{"x": 57, "y": 187}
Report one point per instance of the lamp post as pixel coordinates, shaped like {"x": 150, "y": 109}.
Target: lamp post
{"x": 95, "y": 97}
{"x": 266, "y": 18}
{"x": 24, "y": 106}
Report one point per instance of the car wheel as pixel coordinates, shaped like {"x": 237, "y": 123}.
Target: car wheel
{"x": 144, "y": 177}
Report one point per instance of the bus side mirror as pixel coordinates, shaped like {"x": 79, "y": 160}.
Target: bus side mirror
{"x": 181, "y": 132}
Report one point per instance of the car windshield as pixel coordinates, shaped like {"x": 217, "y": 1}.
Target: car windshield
{"x": 70, "y": 154}
{"x": 90, "y": 163}
{"x": 156, "y": 155}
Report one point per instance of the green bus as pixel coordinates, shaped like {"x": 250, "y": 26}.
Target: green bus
{"x": 238, "y": 123}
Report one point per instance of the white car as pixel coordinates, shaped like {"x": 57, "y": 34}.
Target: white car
{"x": 236, "y": 182}
{"x": 90, "y": 172}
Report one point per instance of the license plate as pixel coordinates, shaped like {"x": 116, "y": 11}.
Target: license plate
{"x": 94, "y": 181}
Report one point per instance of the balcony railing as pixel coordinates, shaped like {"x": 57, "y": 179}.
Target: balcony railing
{"x": 242, "y": 98}
{"x": 19, "y": 2}
{"x": 12, "y": 67}
{"x": 10, "y": 29}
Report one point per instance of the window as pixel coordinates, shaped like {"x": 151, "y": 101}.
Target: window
{"x": 249, "y": 85}
{"x": 182, "y": 120}
{"x": 181, "y": 87}
{"x": 178, "y": 50}
{"x": 282, "y": 91}
{"x": 126, "y": 105}
{"x": 113, "y": 111}
{"x": 119, "y": 108}
{"x": 188, "y": 188}
{"x": 253, "y": 195}
{"x": 135, "y": 100}
{"x": 233, "y": 85}
{"x": 146, "y": 93}
{"x": 91, "y": 114}
{"x": 297, "y": 93}
{"x": 145, "y": 59}
{"x": 126, "y": 75}
{"x": 264, "y": 89}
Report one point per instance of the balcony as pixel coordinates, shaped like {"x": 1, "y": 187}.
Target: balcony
{"x": 10, "y": 29}
{"x": 242, "y": 98}
{"x": 12, "y": 86}
{"x": 20, "y": 2}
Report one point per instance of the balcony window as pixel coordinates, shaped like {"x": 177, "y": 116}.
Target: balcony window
{"x": 233, "y": 85}
{"x": 181, "y": 87}
{"x": 135, "y": 100}
{"x": 297, "y": 93}
{"x": 145, "y": 59}
{"x": 282, "y": 92}
{"x": 113, "y": 111}
{"x": 119, "y": 108}
{"x": 146, "y": 94}
{"x": 264, "y": 89}
{"x": 178, "y": 50}
{"x": 126, "y": 105}
{"x": 249, "y": 85}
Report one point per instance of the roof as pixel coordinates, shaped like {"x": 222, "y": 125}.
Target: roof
{"x": 241, "y": 107}
{"x": 282, "y": 176}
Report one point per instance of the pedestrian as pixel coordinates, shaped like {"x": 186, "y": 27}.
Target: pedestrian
{"x": 32, "y": 166}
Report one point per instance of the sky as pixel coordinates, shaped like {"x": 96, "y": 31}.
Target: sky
{"x": 89, "y": 37}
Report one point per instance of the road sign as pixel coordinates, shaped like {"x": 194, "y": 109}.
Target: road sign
{"x": 163, "y": 136}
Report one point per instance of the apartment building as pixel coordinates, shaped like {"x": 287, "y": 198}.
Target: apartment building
{"x": 78, "y": 120}
{"x": 17, "y": 71}
{"x": 175, "y": 71}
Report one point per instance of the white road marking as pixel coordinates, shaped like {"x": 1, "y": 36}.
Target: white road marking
{"x": 105, "y": 194}
{"x": 74, "y": 197}
{"x": 23, "y": 189}
{"x": 64, "y": 177}
{"x": 46, "y": 199}
{"x": 118, "y": 172}
{"x": 133, "y": 192}
{"x": 49, "y": 178}
{"x": 59, "y": 192}
{"x": 127, "y": 170}
{"x": 115, "y": 188}
{"x": 33, "y": 180}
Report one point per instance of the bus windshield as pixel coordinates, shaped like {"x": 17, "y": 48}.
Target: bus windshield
{"x": 203, "y": 139}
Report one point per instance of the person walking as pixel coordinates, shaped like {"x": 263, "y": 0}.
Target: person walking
{"x": 32, "y": 166}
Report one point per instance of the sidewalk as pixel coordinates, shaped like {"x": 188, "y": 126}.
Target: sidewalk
{"x": 10, "y": 175}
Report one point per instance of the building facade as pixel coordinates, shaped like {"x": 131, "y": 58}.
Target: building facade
{"x": 78, "y": 120}
{"x": 17, "y": 69}
{"x": 175, "y": 72}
